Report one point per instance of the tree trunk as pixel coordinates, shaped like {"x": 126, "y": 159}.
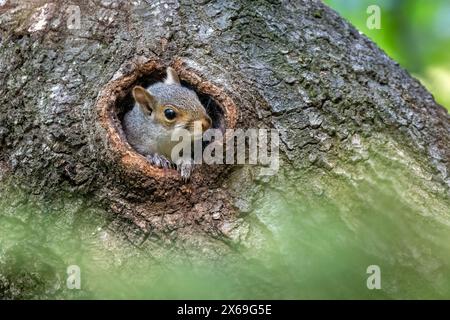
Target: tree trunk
{"x": 348, "y": 115}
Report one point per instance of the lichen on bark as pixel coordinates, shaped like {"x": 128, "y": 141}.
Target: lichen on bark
{"x": 346, "y": 112}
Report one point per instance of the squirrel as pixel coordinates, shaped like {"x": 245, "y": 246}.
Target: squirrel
{"x": 159, "y": 110}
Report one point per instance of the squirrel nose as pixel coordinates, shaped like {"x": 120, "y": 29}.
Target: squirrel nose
{"x": 206, "y": 123}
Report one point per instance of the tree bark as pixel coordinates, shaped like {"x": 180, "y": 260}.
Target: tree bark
{"x": 337, "y": 99}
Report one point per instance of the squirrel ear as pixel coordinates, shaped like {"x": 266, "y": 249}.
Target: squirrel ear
{"x": 146, "y": 101}
{"x": 172, "y": 77}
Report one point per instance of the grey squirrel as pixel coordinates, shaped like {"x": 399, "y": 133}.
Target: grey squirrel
{"x": 159, "y": 110}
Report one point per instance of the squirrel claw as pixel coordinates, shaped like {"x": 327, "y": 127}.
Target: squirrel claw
{"x": 185, "y": 168}
{"x": 159, "y": 161}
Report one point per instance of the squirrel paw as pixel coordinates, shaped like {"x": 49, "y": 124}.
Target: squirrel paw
{"x": 159, "y": 161}
{"x": 185, "y": 168}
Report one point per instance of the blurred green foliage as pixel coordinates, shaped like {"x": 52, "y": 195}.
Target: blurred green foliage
{"x": 415, "y": 33}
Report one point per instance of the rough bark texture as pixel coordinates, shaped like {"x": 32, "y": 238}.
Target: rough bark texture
{"x": 291, "y": 65}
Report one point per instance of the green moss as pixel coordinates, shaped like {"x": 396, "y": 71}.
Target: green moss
{"x": 312, "y": 234}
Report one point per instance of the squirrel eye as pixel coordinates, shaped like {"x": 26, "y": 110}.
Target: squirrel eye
{"x": 170, "y": 114}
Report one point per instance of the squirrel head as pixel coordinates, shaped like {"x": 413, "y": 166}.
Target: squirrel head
{"x": 172, "y": 105}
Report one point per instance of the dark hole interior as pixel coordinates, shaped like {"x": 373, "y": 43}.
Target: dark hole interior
{"x": 213, "y": 109}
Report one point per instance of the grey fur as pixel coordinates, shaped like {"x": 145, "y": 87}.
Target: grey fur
{"x": 172, "y": 77}
{"x": 152, "y": 139}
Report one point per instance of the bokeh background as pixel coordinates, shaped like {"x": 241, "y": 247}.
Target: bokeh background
{"x": 415, "y": 33}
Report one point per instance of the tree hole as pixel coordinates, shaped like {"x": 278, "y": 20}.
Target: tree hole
{"x": 116, "y": 99}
